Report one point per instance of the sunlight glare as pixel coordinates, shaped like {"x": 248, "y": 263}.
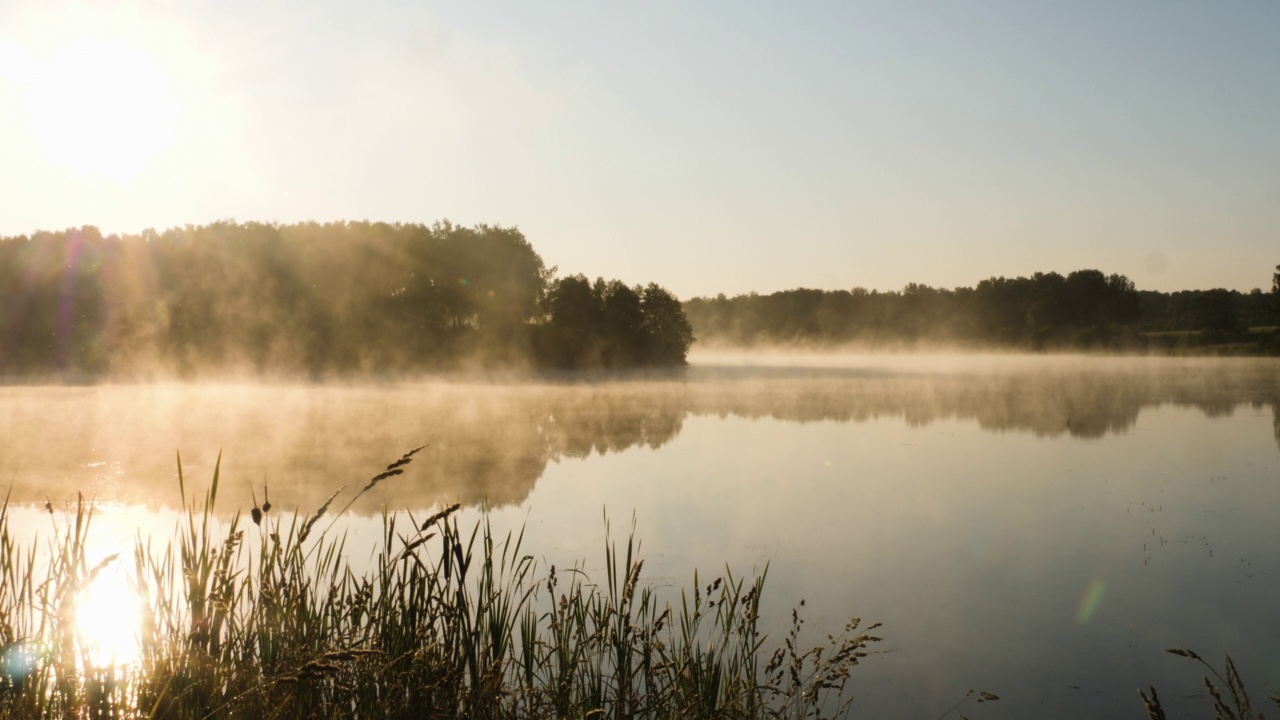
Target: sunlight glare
{"x": 109, "y": 621}
{"x": 101, "y": 107}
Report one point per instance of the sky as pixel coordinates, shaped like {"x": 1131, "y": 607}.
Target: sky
{"x": 707, "y": 146}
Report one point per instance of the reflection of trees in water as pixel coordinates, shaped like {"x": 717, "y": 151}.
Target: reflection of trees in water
{"x": 1084, "y": 404}
{"x": 487, "y": 443}
{"x": 491, "y": 443}
{"x": 496, "y": 451}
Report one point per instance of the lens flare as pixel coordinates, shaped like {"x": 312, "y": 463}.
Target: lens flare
{"x": 1090, "y": 600}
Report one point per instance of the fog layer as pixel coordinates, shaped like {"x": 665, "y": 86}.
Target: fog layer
{"x": 491, "y": 442}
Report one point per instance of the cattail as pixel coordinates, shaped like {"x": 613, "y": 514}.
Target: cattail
{"x": 255, "y": 513}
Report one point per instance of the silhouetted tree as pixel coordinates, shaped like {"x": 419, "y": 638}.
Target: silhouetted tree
{"x": 1255, "y": 308}
{"x": 667, "y": 332}
{"x": 1044, "y": 310}
{"x": 1216, "y": 312}
{"x": 1275, "y": 295}
{"x": 623, "y": 321}
{"x": 492, "y": 273}
{"x": 574, "y": 325}
{"x": 609, "y": 325}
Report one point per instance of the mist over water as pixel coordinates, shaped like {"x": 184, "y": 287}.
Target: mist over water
{"x": 1041, "y": 527}
{"x": 489, "y": 442}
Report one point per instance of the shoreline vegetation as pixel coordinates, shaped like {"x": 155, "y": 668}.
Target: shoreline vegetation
{"x": 272, "y": 621}
{"x": 318, "y": 301}
{"x": 366, "y": 299}
{"x": 1086, "y": 310}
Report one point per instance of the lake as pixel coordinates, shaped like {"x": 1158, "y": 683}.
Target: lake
{"x": 1039, "y": 527}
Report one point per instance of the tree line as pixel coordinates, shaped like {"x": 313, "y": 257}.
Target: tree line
{"x": 315, "y": 298}
{"x": 1084, "y": 309}
{"x": 348, "y": 297}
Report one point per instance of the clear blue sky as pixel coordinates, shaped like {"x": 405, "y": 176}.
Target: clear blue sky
{"x": 710, "y": 147}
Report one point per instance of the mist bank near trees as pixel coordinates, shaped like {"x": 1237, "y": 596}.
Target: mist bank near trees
{"x": 491, "y": 442}
{"x": 317, "y": 299}
{"x": 1086, "y": 309}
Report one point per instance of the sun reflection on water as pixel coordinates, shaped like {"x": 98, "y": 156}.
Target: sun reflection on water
{"x": 108, "y": 621}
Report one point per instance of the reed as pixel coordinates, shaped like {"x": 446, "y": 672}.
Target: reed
{"x": 272, "y": 621}
{"x": 1236, "y": 705}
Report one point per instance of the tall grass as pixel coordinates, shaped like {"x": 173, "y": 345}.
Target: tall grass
{"x": 272, "y": 621}
{"x": 1236, "y": 704}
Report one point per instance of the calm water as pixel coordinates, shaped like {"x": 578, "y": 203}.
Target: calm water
{"x": 1042, "y": 528}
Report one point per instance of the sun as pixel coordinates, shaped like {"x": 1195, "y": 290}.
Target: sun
{"x": 100, "y": 107}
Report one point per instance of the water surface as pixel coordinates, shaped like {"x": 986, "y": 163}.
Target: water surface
{"x": 1039, "y": 527}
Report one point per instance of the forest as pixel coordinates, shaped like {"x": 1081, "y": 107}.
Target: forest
{"x": 315, "y": 299}
{"x": 361, "y": 297}
{"x": 1086, "y": 309}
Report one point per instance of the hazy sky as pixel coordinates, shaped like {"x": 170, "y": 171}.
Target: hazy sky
{"x": 710, "y": 146}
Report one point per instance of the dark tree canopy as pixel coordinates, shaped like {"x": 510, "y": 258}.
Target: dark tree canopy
{"x": 1084, "y": 309}
{"x": 666, "y": 332}
{"x": 610, "y": 325}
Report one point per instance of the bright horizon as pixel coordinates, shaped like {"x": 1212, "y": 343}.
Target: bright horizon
{"x": 730, "y": 148}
